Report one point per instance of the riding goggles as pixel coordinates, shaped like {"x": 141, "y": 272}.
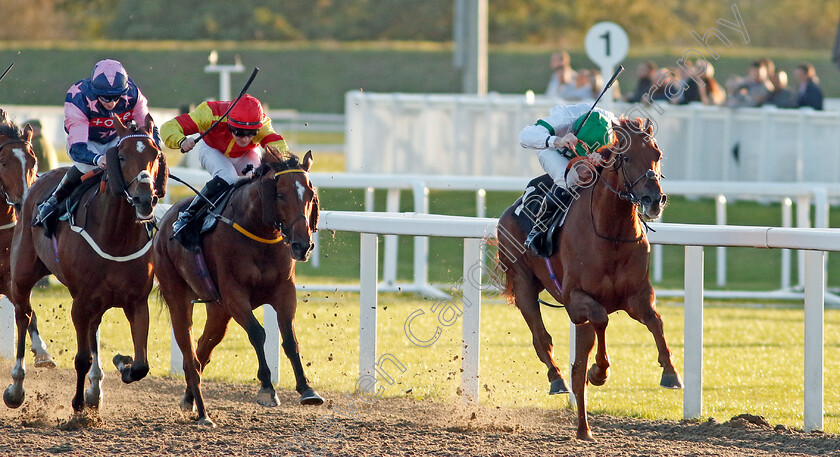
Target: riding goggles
{"x": 109, "y": 99}
{"x": 243, "y": 132}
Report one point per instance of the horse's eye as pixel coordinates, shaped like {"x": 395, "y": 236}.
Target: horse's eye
{"x": 281, "y": 197}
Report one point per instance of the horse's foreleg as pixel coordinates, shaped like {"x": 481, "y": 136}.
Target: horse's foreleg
{"x": 137, "y": 368}
{"x": 597, "y": 317}
{"x": 526, "y": 300}
{"x": 256, "y": 335}
{"x": 93, "y": 395}
{"x": 83, "y": 359}
{"x": 584, "y": 342}
{"x": 653, "y": 321}
{"x": 180, "y": 311}
{"x": 286, "y": 322}
{"x": 14, "y": 394}
{"x": 43, "y": 359}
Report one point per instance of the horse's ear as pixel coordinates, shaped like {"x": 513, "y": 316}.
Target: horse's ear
{"x": 2, "y": 115}
{"x": 162, "y": 175}
{"x": 119, "y": 126}
{"x": 149, "y": 124}
{"x": 273, "y": 156}
{"x": 307, "y": 161}
{"x": 28, "y": 131}
{"x": 315, "y": 213}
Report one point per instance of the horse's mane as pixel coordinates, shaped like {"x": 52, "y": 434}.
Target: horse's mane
{"x": 272, "y": 164}
{"x": 625, "y": 128}
{"x": 10, "y": 129}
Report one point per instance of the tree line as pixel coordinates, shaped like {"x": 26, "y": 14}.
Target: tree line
{"x": 805, "y": 24}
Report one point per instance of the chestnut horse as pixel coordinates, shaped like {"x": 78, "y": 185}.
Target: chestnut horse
{"x": 248, "y": 260}
{"x": 18, "y": 165}
{"x": 102, "y": 255}
{"x": 601, "y": 265}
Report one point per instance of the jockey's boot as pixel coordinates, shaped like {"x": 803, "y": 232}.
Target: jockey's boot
{"x": 211, "y": 191}
{"x": 68, "y": 183}
{"x": 536, "y": 241}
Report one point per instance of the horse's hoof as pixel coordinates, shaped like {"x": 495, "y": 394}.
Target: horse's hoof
{"x": 187, "y": 406}
{"x": 671, "y": 381}
{"x": 267, "y": 398}
{"x": 585, "y": 435}
{"x": 93, "y": 398}
{"x": 310, "y": 397}
{"x": 121, "y": 361}
{"x": 558, "y": 386}
{"x": 44, "y": 361}
{"x": 206, "y": 422}
{"x": 13, "y": 396}
{"x": 595, "y": 378}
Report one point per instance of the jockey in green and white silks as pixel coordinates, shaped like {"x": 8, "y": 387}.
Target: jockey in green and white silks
{"x": 549, "y": 136}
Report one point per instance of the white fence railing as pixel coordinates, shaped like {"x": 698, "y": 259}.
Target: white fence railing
{"x": 473, "y": 135}
{"x": 806, "y": 196}
{"x": 474, "y": 230}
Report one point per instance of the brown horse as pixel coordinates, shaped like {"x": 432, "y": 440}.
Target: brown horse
{"x": 102, "y": 255}
{"x": 18, "y": 165}
{"x": 601, "y": 265}
{"x": 250, "y": 255}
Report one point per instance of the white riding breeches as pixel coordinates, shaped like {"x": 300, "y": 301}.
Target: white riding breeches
{"x": 98, "y": 148}
{"x": 218, "y": 164}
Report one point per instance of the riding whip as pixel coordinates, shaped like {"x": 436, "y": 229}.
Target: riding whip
{"x": 235, "y": 101}
{"x": 7, "y": 70}
{"x": 586, "y": 118}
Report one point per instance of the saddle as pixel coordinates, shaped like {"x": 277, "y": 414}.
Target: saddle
{"x": 68, "y": 207}
{"x": 207, "y": 218}
{"x": 534, "y": 195}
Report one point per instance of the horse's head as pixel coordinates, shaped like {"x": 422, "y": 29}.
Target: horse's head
{"x": 137, "y": 168}
{"x": 290, "y": 203}
{"x": 635, "y": 157}
{"x": 18, "y": 163}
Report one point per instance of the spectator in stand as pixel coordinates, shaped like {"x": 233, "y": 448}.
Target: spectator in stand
{"x": 711, "y": 93}
{"x": 688, "y": 89}
{"x": 563, "y": 77}
{"x": 754, "y": 89}
{"x": 780, "y": 97}
{"x": 43, "y": 149}
{"x": 582, "y": 89}
{"x": 809, "y": 94}
{"x": 663, "y": 81}
{"x": 645, "y": 73}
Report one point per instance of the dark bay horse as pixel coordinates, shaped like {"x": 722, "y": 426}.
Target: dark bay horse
{"x": 249, "y": 260}
{"x": 18, "y": 165}
{"x": 102, "y": 255}
{"x": 601, "y": 265}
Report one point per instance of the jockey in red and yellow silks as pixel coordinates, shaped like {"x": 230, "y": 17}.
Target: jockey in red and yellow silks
{"x": 220, "y": 138}
{"x": 226, "y": 150}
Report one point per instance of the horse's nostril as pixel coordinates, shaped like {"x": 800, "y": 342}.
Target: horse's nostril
{"x": 663, "y": 199}
{"x": 646, "y": 200}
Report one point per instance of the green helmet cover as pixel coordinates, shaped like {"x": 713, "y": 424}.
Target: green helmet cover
{"x": 595, "y": 133}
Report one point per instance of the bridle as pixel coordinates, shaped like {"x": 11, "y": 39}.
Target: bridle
{"x": 23, "y": 164}
{"x": 627, "y": 194}
{"x": 278, "y": 225}
{"x": 143, "y": 175}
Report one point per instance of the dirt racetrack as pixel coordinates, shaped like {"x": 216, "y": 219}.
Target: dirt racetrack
{"x": 144, "y": 419}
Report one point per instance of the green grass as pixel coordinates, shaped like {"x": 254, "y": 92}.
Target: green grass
{"x": 753, "y": 357}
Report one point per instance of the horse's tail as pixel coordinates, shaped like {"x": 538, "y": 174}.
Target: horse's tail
{"x": 504, "y": 261}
